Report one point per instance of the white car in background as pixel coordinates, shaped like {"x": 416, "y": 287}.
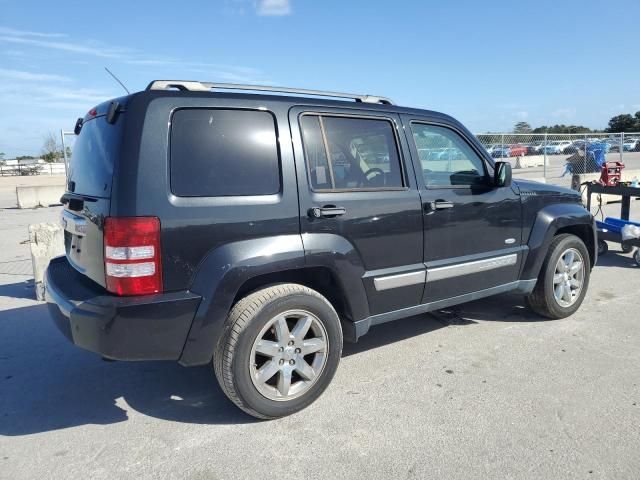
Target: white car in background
{"x": 557, "y": 147}
{"x": 631, "y": 144}
{"x": 492, "y": 147}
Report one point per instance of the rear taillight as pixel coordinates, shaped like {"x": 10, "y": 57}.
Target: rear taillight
{"x": 132, "y": 255}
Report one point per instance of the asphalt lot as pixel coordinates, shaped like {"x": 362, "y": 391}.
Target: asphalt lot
{"x": 484, "y": 390}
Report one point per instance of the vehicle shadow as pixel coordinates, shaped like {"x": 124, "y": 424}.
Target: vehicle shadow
{"x": 48, "y": 384}
{"x": 616, "y": 258}
{"x": 500, "y": 308}
{"x": 18, "y": 290}
{"x": 509, "y": 307}
{"x": 392, "y": 332}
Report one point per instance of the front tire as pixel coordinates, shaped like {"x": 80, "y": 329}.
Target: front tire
{"x": 280, "y": 350}
{"x": 563, "y": 280}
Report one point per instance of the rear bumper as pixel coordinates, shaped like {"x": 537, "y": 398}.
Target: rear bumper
{"x": 151, "y": 327}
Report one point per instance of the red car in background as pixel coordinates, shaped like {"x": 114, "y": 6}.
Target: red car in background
{"x": 518, "y": 150}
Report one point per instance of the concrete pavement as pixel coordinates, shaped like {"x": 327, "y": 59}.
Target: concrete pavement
{"x": 484, "y": 390}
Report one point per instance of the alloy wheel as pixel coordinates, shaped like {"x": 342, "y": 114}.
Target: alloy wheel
{"x": 288, "y": 355}
{"x": 568, "y": 277}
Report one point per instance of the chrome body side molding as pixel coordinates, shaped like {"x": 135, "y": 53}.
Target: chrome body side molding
{"x": 467, "y": 268}
{"x": 399, "y": 280}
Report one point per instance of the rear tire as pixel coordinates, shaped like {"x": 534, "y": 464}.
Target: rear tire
{"x": 563, "y": 280}
{"x": 279, "y": 351}
{"x": 627, "y": 248}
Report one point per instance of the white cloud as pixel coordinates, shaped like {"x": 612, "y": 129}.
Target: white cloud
{"x": 27, "y": 94}
{"x": 274, "y": 7}
{"x": 43, "y": 96}
{"x": 523, "y": 115}
{"x": 25, "y": 33}
{"x": 230, "y": 73}
{"x": 29, "y": 76}
{"x": 207, "y": 71}
{"x": 97, "y": 51}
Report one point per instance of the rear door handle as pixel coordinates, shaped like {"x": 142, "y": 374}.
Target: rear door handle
{"x": 327, "y": 211}
{"x": 440, "y": 205}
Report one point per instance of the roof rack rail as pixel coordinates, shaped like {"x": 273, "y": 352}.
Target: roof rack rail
{"x": 195, "y": 86}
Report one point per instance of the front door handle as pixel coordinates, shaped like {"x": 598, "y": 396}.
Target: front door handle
{"x": 328, "y": 211}
{"x": 440, "y": 205}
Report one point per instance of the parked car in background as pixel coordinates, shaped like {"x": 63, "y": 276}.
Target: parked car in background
{"x": 501, "y": 151}
{"x": 575, "y": 146}
{"x": 534, "y": 148}
{"x": 556, "y": 147}
{"x": 614, "y": 144}
{"x": 518, "y": 150}
{"x": 449, "y": 154}
{"x": 491, "y": 147}
{"x": 631, "y": 145}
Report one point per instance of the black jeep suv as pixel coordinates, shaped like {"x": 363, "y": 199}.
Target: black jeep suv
{"x": 256, "y": 231}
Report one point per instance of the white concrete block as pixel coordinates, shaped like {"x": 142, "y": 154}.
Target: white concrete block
{"x": 39, "y": 195}
{"x": 46, "y": 241}
{"x": 529, "y": 161}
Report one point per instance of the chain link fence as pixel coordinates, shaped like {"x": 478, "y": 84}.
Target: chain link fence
{"x": 556, "y": 157}
{"x": 38, "y": 166}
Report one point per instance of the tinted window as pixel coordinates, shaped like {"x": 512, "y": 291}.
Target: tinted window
{"x": 362, "y": 153}
{"x": 447, "y": 159}
{"x": 94, "y": 153}
{"x": 223, "y": 152}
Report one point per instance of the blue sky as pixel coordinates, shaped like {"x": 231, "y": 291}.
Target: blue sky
{"x": 490, "y": 63}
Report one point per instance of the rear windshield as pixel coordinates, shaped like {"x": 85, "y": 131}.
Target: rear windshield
{"x": 92, "y": 160}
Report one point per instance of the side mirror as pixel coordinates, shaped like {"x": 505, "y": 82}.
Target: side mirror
{"x": 502, "y": 174}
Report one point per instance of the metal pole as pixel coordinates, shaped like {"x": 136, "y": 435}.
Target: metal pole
{"x": 544, "y": 149}
{"x": 622, "y": 147}
{"x": 585, "y": 153}
{"x": 64, "y": 154}
{"x": 502, "y": 146}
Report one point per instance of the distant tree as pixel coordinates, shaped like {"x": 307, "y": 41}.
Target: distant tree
{"x": 522, "y": 127}
{"x": 624, "y": 123}
{"x": 51, "y": 149}
{"x": 562, "y": 129}
{"x": 2, "y": 162}
{"x": 25, "y": 157}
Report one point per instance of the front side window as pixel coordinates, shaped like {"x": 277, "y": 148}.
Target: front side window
{"x": 446, "y": 158}
{"x": 345, "y": 153}
{"x": 218, "y": 152}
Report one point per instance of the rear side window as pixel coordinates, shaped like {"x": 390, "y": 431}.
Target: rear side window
{"x": 223, "y": 153}
{"x": 346, "y": 153}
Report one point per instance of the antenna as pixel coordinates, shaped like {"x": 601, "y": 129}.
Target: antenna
{"x": 117, "y": 80}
